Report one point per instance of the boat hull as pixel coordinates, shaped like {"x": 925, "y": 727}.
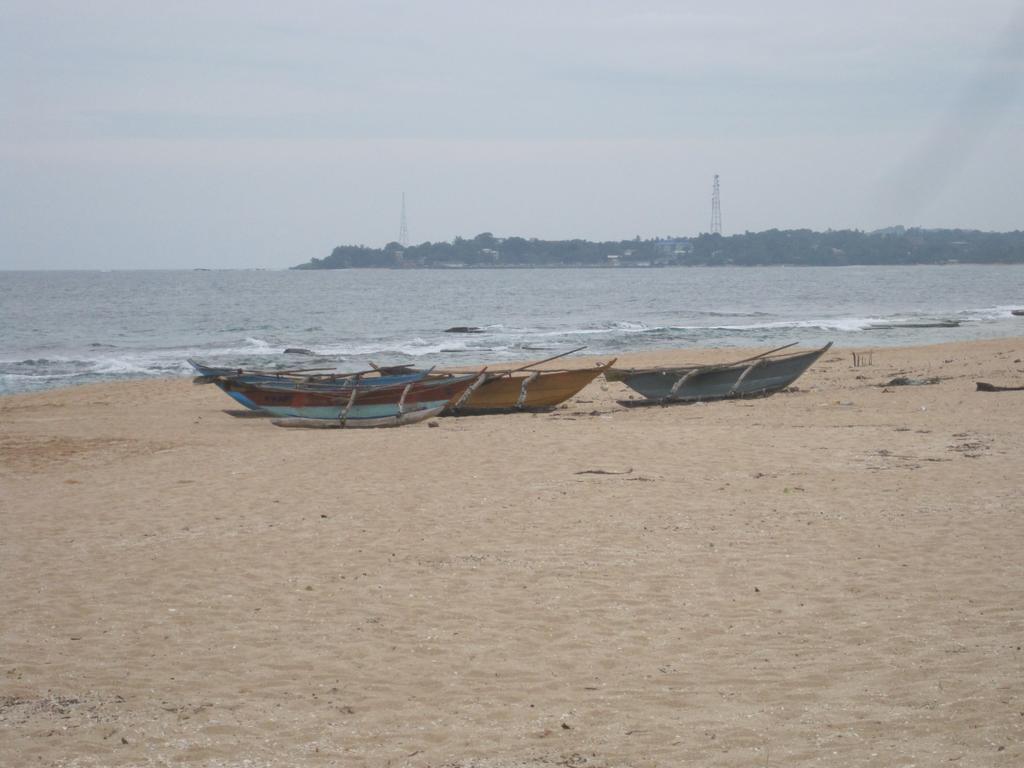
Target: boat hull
{"x": 543, "y": 390}
{"x": 755, "y": 378}
{"x": 355, "y": 404}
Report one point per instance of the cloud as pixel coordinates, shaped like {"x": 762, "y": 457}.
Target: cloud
{"x": 195, "y": 131}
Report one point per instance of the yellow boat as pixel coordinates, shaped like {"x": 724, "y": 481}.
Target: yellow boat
{"x": 524, "y": 390}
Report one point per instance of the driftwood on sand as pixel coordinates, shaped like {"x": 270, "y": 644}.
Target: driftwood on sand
{"x": 983, "y": 387}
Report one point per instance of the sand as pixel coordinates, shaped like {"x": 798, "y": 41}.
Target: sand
{"x": 830, "y": 576}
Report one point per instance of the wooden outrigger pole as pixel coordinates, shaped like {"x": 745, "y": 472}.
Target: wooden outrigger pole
{"x": 470, "y": 390}
{"x": 541, "y": 362}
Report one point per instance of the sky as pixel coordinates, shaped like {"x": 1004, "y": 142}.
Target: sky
{"x": 258, "y": 134}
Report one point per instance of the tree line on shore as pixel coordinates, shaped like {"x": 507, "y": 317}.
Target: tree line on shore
{"x": 795, "y": 247}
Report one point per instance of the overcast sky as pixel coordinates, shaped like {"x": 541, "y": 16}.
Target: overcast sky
{"x": 261, "y": 134}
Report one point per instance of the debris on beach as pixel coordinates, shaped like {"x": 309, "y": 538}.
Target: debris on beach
{"x": 971, "y": 445}
{"x": 906, "y": 381}
{"x": 982, "y": 386}
{"x": 860, "y": 359}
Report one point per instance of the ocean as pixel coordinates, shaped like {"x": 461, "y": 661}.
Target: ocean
{"x": 61, "y": 329}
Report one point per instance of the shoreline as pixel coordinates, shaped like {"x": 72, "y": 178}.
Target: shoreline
{"x": 670, "y": 355}
{"x": 828, "y": 576}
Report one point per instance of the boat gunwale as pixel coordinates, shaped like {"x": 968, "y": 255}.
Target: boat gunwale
{"x": 497, "y": 373}
{"x": 420, "y": 384}
{"x": 710, "y": 367}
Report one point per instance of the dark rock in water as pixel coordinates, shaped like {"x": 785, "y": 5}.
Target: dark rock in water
{"x": 298, "y": 351}
{"x": 1017, "y": 312}
{"x": 464, "y": 329}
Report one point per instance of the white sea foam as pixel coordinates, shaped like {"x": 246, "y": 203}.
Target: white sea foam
{"x": 414, "y": 347}
{"x": 612, "y": 329}
{"x": 121, "y": 366}
{"x": 993, "y": 313}
{"x": 258, "y": 345}
{"x": 844, "y": 324}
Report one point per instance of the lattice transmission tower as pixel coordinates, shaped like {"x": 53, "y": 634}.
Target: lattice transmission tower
{"x": 403, "y": 227}
{"x": 716, "y": 209}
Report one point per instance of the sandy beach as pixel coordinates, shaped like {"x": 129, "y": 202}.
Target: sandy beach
{"x": 831, "y": 576}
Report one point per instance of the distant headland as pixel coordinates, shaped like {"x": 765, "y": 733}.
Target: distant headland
{"x": 794, "y": 247}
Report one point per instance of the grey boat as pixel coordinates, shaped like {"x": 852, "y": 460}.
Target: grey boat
{"x": 757, "y": 376}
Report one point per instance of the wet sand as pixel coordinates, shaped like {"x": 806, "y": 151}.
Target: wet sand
{"x": 830, "y": 576}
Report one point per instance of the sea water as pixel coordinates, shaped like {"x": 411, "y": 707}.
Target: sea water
{"x": 65, "y": 328}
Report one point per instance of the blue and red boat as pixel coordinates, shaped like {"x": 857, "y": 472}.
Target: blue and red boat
{"x": 228, "y": 379}
{"x": 385, "y": 402}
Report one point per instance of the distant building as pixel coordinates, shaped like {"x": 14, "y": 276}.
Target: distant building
{"x": 679, "y": 247}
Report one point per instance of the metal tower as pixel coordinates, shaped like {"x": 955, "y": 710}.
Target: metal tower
{"x": 403, "y": 228}
{"x": 716, "y": 209}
